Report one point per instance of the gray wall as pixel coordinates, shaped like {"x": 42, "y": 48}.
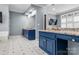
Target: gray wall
{"x": 39, "y": 21}
{"x": 19, "y": 21}
{"x": 5, "y": 18}
{"x": 4, "y": 26}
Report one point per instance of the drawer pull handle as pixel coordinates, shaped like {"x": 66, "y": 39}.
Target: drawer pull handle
{"x": 73, "y": 40}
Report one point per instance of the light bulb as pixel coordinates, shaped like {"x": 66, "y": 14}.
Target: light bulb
{"x": 53, "y": 9}
{"x": 28, "y": 16}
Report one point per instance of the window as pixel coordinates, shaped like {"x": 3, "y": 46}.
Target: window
{"x": 63, "y": 25}
{"x": 63, "y": 21}
{"x": 69, "y": 25}
{"x": 76, "y": 19}
{"x": 70, "y": 20}
{"x": 76, "y": 25}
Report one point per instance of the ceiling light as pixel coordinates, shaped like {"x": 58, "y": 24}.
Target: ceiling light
{"x": 53, "y": 9}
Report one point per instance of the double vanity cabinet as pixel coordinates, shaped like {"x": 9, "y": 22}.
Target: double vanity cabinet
{"x": 56, "y": 43}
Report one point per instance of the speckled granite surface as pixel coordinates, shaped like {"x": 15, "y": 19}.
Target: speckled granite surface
{"x": 62, "y": 32}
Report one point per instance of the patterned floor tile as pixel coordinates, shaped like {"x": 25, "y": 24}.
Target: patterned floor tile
{"x": 18, "y": 45}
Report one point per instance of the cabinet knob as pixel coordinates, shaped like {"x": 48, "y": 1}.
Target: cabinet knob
{"x": 73, "y": 40}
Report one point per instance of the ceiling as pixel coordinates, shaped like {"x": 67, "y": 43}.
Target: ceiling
{"x": 59, "y": 8}
{"x": 40, "y": 5}
{"x": 20, "y": 8}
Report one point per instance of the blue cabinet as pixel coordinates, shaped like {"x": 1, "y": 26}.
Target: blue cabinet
{"x": 64, "y": 37}
{"x": 56, "y": 43}
{"x": 47, "y": 42}
{"x": 51, "y": 46}
{"x": 42, "y": 42}
{"x": 47, "y": 34}
{"x": 29, "y": 34}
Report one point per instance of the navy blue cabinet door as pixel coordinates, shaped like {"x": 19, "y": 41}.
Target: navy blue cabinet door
{"x": 51, "y": 46}
{"x": 42, "y": 42}
{"x": 62, "y": 46}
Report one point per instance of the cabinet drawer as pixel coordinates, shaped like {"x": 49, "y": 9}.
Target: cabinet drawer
{"x": 47, "y": 34}
{"x": 64, "y": 37}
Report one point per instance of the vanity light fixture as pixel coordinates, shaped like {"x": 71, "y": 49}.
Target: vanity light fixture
{"x": 26, "y": 13}
{"x": 30, "y": 12}
{"x": 29, "y": 16}
{"x": 33, "y": 13}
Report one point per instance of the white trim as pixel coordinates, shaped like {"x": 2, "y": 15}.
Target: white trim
{"x": 4, "y": 35}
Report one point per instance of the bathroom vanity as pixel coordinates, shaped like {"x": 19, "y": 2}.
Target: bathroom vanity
{"x": 55, "y": 42}
{"x": 29, "y": 34}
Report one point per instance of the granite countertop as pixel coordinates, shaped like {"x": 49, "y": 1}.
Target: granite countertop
{"x": 29, "y": 29}
{"x": 63, "y": 32}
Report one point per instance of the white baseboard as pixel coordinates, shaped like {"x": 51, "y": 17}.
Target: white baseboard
{"x": 3, "y": 38}
{"x": 3, "y": 35}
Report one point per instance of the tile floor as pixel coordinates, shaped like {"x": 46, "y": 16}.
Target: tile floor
{"x": 18, "y": 45}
